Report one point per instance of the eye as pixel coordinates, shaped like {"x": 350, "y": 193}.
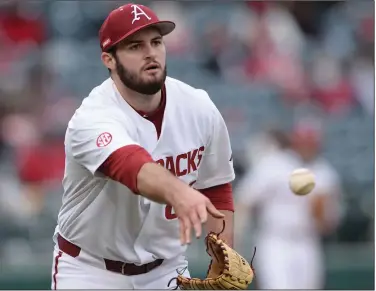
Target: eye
{"x": 134, "y": 47}
{"x": 157, "y": 42}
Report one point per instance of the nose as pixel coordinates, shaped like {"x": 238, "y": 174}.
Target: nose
{"x": 150, "y": 52}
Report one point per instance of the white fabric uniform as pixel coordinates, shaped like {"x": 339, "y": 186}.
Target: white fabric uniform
{"x": 102, "y": 216}
{"x": 289, "y": 254}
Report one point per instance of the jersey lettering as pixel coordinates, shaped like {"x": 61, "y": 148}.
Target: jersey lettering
{"x": 191, "y": 160}
{"x": 170, "y": 165}
{"x": 180, "y": 172}
{"x": 169, "y": 212}
{"x": 183, "y": 164}
{"x": 200, "y": 151}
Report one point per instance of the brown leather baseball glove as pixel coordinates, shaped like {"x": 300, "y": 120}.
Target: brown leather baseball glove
{"x": 227, "y": 270}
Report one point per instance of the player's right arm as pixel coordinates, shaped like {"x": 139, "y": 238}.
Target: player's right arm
{"x": 326, "y": 200}
{"x": 105, "y": 145}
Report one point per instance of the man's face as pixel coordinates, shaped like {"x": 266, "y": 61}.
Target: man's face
{"x": 141, "y": 62}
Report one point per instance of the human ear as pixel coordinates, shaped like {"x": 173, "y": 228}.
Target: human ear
{"x": 108, "y": 60}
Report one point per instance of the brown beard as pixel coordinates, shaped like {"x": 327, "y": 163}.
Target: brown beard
{"x": 133, "y": 82}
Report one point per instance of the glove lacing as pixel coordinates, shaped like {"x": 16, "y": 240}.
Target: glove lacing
{"x": 180, "y": 272}
{"x": 207, "y": 246}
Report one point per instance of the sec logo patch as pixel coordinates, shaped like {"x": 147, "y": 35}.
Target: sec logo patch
{"x": 104, "y": 139}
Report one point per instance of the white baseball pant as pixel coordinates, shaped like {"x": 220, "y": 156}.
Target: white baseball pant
{"x": 85, "y": 272}
{"x": 283, "y": 263}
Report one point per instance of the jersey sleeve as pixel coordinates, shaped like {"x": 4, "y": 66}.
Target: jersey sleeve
{"x": 92, "y": 143}
{"x": 216, "y": 166}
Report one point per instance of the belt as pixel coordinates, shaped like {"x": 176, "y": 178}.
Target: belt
{"x": 114, "y": 266}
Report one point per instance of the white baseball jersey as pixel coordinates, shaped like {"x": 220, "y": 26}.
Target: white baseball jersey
{"x": 280, "y": 211}
{"x": 102, "y": 216}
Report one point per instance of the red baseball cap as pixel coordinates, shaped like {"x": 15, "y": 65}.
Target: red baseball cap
{"x": 128, "y": 19}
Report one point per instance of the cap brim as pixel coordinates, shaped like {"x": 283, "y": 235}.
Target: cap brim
{"x": 165, "y": 27}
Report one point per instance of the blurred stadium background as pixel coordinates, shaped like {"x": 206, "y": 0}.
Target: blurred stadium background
{"x": 263, "y": 63}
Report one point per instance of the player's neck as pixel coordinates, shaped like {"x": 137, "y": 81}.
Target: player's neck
{"x": 140, "y": 102}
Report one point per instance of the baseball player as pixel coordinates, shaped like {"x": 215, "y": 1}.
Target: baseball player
{"x": 148, "y": 161}
{"x": 289, "y": 254}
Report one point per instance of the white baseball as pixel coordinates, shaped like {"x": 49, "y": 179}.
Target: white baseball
{"x": 302, "y": 181}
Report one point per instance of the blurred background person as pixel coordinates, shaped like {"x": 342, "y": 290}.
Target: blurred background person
{"x": 326, "y": 200}
{"x": 262, "y": 63}
{"x": 289, "y": 227}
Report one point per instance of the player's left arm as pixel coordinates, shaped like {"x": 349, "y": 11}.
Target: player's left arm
{"x": 215, "y": 175}
{"x": 222, "y": 199}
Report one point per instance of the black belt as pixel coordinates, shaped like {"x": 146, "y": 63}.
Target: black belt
{"x": 114, "y": 266}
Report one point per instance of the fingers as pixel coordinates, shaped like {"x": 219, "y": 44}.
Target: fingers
{"x": 214, "y": 211}
{"x": 184, "y": 230}
{"x": 194, "y": 220}
{"x": 202, "y": 213}
{"x": 196, "y": 223}
{"x": 194, "y": 217}
{"x": 181, "y": 230}
{"x": 187, "y": 232}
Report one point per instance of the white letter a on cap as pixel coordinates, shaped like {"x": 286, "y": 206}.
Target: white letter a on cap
{"x": 137, "y": 11}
